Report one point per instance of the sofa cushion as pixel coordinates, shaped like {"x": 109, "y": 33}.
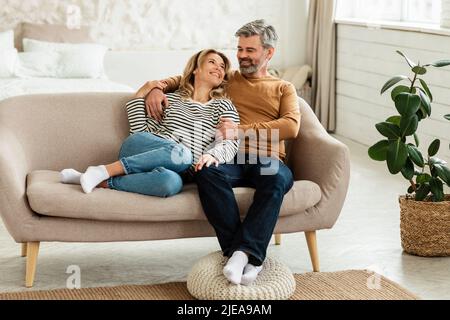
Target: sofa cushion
{"x": 47, "y": 196}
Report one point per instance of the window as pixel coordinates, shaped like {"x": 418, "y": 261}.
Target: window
{"x": 424, "y": 11}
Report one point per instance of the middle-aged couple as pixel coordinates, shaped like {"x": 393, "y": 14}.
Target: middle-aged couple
{"x": 189, "y": 128}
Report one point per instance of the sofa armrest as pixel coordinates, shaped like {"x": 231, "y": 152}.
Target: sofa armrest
{"x": 14, "y": 166}
{"x": 316, "y": 156}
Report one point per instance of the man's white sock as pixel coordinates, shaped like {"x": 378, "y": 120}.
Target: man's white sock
{"x": 93, "y": 177}
{"x": 70, "y": 176}
{"x": 250, "y": 274}
{"x": 235, "y": 266}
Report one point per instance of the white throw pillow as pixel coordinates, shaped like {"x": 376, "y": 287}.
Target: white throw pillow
{"x": 38, "y": 64}
{"x": 301, "y": 76}
{"x": 7, "y": 40}
{"x": 83, "y": 60}
{"x": 8, "y": 60}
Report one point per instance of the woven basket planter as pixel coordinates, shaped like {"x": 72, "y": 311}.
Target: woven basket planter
{"x": 425, "y": 227}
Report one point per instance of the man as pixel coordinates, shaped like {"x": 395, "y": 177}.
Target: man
{"x": 268, "y": 107}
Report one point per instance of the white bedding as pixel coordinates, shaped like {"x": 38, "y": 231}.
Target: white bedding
{"x": 12, "y": 87}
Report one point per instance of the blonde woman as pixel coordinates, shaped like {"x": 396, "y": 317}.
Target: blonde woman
{"x": 157, "y": 153}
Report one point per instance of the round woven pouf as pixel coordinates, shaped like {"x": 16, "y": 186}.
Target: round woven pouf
{"x": 207, "y": 282}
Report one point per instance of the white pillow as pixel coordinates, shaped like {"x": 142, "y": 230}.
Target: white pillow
{"x": 8, "y": 60}
{"x": 82, "y": 63}
{"x": 37, "y": 45}
{"x": 38, "y": 64}
{"x": 78, "y": 60}
{"x": 7, "y": 40}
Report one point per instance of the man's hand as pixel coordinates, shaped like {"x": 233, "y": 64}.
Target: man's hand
{"x": 227, "y": 130}
{"x": 206, "y": 160}
{"x": 149, "y": 86}
{"x": 155, "y": 100}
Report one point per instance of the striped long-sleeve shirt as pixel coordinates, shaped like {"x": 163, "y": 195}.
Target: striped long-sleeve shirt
{"x": 190, "y": 123}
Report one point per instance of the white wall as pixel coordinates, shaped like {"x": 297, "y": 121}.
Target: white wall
{"x": 148, "y": 25}
{"x": 134, "y": 68}
{"x": 294, "y": 32}
{"x": 366, "y": 60}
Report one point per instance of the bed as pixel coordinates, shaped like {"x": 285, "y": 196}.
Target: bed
{"x": 52, "y": 59}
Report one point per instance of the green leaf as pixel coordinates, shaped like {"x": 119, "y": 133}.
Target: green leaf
{"x": 435, "y": 160}
{"x": 425, "y": 101}
{"x": 434, "y": 148}
{"x": 447, "y": 173}
{"x": 410, "y": 190}
{"x": 416, "y": 156}
{"x": 378, "y": 152}
{"x": 389, "y": 130}
{"x": 392, "y": 82}
{"x": 416, "y": 140}
{"x": 408, "y": 170}
{"x": 409, "y": 61}
{"x": 407, "y": 104}
{"x": 427, "y": 89}
{"x": 394, "y": 120}
{"x": 408, "y": 125}
{"x": 437, "y": 189}
{"x": 447, "y": 116}
{"x": 422, "y": 113}
{"x": 443, "y": 173}
{"x": 419, "y": 70}
{"x": 441, "y": 63}
{"x": 396, "y": 156}
{"x": 423, "y": 178}
{"x": 422, "y": 192}
{"x": 399, "y": 89}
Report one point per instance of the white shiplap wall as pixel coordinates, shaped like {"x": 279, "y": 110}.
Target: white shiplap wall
{"x": 366, "y": 59}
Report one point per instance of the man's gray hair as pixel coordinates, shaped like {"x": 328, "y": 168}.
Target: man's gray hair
{"x": 260, "y": 28}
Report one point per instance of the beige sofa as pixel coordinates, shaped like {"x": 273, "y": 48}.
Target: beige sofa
{"x": 42, "y": 134}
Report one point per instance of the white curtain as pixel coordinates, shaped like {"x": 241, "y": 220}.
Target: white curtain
{"x": 321, "y": 56}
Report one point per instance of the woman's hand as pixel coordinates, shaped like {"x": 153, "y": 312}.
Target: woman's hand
{"x": 149, "y": 86}
{"x": 206, "y": 160}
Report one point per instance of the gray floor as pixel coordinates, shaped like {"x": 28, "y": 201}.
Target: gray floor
{"x": 366, "y": 236}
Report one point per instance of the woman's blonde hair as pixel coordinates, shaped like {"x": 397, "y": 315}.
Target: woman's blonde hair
{"x": 186, "y": 89}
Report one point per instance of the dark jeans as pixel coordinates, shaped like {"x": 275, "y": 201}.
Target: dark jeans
{"x": 271, "y": 178}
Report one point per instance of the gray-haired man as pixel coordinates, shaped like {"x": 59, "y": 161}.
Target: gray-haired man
{"x": 267, "y": 107}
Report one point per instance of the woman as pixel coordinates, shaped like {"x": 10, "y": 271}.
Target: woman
{"x": 153, "y": 158}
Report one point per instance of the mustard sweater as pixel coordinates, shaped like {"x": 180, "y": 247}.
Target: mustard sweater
{"x": 264, "y": 104}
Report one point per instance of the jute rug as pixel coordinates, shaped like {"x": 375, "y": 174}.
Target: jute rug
{"x": 344, "y": 285}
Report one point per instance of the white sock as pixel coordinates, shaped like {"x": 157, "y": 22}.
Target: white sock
{"x": 70, "y": 176}
{"x": 235, "y": 266}
{"x": 93, "y": 177}
{"x": 250, "y": 274}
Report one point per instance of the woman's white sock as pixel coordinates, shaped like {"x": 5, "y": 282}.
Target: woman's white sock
{"x": 250, "y": 274}
{"x": 235, "y": 266}
{"x": 93, "y": 177}
{"x": 70, "y": 176}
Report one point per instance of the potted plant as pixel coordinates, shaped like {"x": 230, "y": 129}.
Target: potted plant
{"x": 425, "y": 210}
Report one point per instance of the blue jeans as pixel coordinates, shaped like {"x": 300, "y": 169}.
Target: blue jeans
{"x": 271, "y": 178}
{"x": 152, "y": 166}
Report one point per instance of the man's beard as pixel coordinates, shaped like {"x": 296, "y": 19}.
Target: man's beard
{"x": 252, "y": 68}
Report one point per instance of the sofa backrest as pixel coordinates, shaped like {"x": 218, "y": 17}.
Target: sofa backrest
{"x": 81, "y": 129}
{"x": 66, "y": 130}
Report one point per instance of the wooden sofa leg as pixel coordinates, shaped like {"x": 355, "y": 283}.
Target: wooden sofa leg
{"x": 24, "y": 250}
{"x": 278, "y": 239}
{"x": 311, "y": 240}
{"x": 32, "y": 254}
